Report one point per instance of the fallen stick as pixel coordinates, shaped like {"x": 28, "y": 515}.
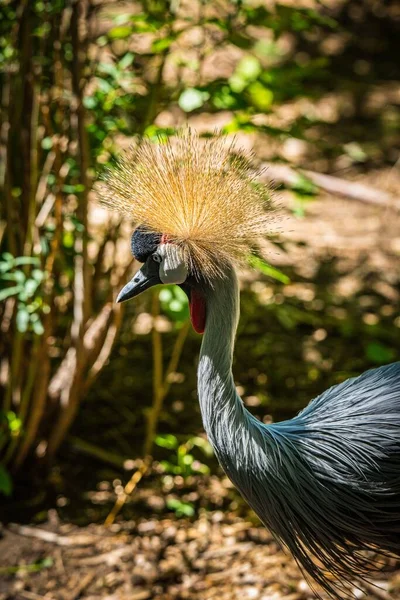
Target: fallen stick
{"x": 32, "y": 596}
{"x": 110, "y": 559}
{"x": 83, "y": 584}
{"x": 281, "y": 173}
{"x": 227, "y": 550}
{"x": 51, "y": 537}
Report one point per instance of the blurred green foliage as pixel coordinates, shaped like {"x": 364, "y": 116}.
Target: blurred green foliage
{"x": 184, "y": 462}
{"x": 174, "y": 303}
{"x": 26, "y": 288}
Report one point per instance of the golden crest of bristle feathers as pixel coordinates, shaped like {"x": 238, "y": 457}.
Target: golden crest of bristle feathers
{"x": 201, "y": 193}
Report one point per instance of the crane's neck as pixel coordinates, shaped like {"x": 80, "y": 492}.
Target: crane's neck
{"x": 221, "y": 407}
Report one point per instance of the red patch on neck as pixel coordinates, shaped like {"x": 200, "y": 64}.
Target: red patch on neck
{"x": 198, "y": 310}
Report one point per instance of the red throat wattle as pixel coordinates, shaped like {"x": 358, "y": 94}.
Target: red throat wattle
{"x": 197, "y": 310}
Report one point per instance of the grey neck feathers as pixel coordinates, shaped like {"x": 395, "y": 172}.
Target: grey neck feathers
{"x": 222, "y": 409}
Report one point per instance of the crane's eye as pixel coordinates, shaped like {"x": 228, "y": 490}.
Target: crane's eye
{"x": 157, "y": 258}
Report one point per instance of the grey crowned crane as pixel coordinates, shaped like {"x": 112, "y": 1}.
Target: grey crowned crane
{"x": 327, "y": 482}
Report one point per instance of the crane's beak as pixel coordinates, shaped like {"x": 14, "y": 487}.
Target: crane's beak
{"x": 144, "y": 279}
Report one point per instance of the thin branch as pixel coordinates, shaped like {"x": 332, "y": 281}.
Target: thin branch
{"x": 175, "y": 356}
{"x": 67, "y": 382}
{"x": 79, "y": 44}
{"x": 38, "y": 405}
{"x": 158, "y": 395}
{"x": 105, "y": 351}
{"x": 102, "y": 454}
{"x": 128, "y": 490}
{"x": 334, "y": 185}
{"x": 51, "y": 537}
{"x": 160, "y": 390}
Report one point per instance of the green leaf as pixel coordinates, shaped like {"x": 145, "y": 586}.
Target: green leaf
{"x": 5, "y": 266}
{"x": 188, "y": 459}
{"x": 159, "y": 46}
{"x": 121, "y": 19}
{"x": 199, "y": 467}
{"x": 10, "y": 291}
{"x": 22, "y": 320}
{"x": 104, "y": 85}
{"x": 89, "y": 102}
{"x": 261, "y": 96}
{"x": 35, "y": 567}
{"x": 120, "y": 33}
{"x": 5, "y": 482}
{"x": 249, "y": 68}
{"x": 126, "y": 60}
{"x": 68, "y": 239}
{"x": 305, "y": 186}
{"x": 192, "y": 98}
{"x": 26, "y": 260}
{"x": 47, "y": 143}
{"x": 38, "y": 275}
{"x": 14, "y": 423}
{"x": 73, "y": 189}
{"x": 38, "y": 327}
{"x": 378, "y": 353}
{"x": 203, "y": 444}
{"x": 224, "y": 99}
{"x": 174, "y": 303}
{"x": 167, "y": 440}
{"x": 30, "y": 287}
{"x": 259, "y": 264}
{"x": 17, "y": 276}
{"x": 181, "y": 508}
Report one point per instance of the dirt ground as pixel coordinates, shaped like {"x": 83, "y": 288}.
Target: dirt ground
{"x": 217, "y": 557}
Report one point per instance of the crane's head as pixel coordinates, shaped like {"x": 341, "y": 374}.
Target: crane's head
{"x": 164, "y": 262}
{"x": 198, "y": 209}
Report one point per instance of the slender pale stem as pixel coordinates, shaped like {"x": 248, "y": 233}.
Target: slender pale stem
{"x": 161, "y": 387}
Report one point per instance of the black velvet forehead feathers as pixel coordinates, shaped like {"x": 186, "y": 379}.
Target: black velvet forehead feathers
{"x": 144, "y": 243}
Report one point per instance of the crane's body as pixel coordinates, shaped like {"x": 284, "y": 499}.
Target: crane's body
{"x": 326, "y": 483}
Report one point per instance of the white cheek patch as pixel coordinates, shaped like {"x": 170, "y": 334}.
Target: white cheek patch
{"x": 172, "y": 267}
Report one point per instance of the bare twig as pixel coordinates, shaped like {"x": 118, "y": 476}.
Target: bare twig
{"x": 34, "y": 167}
{"x": 46, "y": 169}
{"x": 334, "y": 185}
{"x": 175, "y": 356}
{"x": 82, "y": 585}
{"x": 161, "y": 386}
{"x": 100, "y": 453}
{"x": 158, "y": 395}
{"x": 32, "y": 596}
{"x": 110, "y": 559}
{"x": 51, "y": 537}
{"x": 108, "y": 344}
{"x": 92, "y": 339}
{"x": 79, "y": 44}
{"x": 48, "y": 204}
{"x": 128, "y": 490}
{"x": 37, "y": 407}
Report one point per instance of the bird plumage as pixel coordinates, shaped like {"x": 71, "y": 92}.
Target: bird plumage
{"x": 327, "y": 482}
